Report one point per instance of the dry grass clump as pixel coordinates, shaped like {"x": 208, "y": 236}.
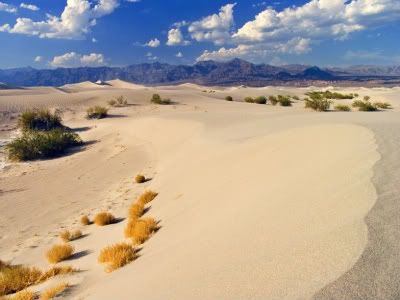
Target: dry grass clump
{"x": 67, "y": 235}
{"x": 318, "y": 104}
{"x": 140, "y": 230}
{"x": 104, "y": 218}
{"x": 117, "y": 256}
{"x": 58, "y": 253}
{"x": 23, "y": 295}
{"x": 136, "y": 210}
{"x": 147, "y": 197}
{"x": 120, "y": 101}
{"x": 156, "y": 99}
{"x": 342, "y": 107}
{"x": 39, "y": 120}
{"x": 273, "y": 100}
{"x": 54, "y": 291}
{"x": 97, "y": 112}
{"x": 383, "y": 105}
{"x": 364, "y": 105}
{"x": 140, "y": 178}
{"x": 15, "y": 278}
{"x": 85, "y": 220}
{"x": 228, "y": 98}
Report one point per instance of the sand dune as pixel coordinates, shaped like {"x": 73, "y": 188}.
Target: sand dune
{"x": 255, "y": 201}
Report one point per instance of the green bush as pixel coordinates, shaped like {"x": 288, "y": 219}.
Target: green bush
{"x": 284, "y": 100}
{"x": 296, "y": 98}
{"x": 260, "y": 100}
{"x": 364, "y": 105}
{"x": 318, "y": 104}
{"x": 273, "y": 100}
{"x": 228, "y": 98}
{"x": 97, "y": 112}
{"x": 342, "y": 107}
{"x": 249, "y": 100}
{"x": 328, "y": 95}
{"x": 383, "y": 105}
{"x": 156, "y": 99}
{"x": 39, "y": 120}
{"x": 42, "y": 144}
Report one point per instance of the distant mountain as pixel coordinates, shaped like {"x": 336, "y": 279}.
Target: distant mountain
{"x": 233, "y": 72}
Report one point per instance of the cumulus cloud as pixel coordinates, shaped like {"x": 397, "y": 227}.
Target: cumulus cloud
{"x": 153, "y": 43}
{"x": 7, "y": 7}
{"x": 73, "y": 60}
{"x": 75, "y": 21}
{"x": 215, "y": 28}
{"x": 151, "y": 57}
{"x": 175, "y": 38}
{"x": 294, "y": 29}
{"x": 29, "y": 6}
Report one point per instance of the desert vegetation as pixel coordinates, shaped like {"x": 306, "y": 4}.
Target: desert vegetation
{"x": 342, "y": 107}
{"x": 260, "y": 100}
{"x": 53, "y": 291}
{"x": 140, "y": 230}
{"x": 147, "y": 197}
{"x": 284, "y": 100}
{"x": 156, "y": 99}
{"x": 104, "y": 218}
{"x": 383, "y": 105}
{"x": 249, "y": 99}
{"x": 97, "y": 112}
{"x": 22, "y": 295}
{"x": 229, "y": 98}
{"x": 39, "y": 120}
{"x": 329, "y": 95}
{"x": 68, "y": 236}
{"x": 119, "y": 101}
{"x": 59, "y": 253}
{"x": 140, "y": 178}
{"x": 15, "y": 278}
{"x": 273, "y": 100}
{"x": 35, "y": 144}
{"x": 117, "y": 256}
{"x": 136, "y": 210}
{"x": 85, "y": 220}
{"x": 318, "y": 104}
{"x": 364, "y": 105}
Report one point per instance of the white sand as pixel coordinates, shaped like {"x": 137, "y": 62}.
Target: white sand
{"x": 256, "y": 202}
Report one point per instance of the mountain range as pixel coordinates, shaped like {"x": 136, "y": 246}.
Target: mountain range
{"x": 233, "y": 72}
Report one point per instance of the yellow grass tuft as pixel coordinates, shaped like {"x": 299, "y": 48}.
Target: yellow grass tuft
{"x": 59, "y": 252}
{"x": 67, "y": 235}
{"x": 147, "y": 197}
{"x": 140, "y": 178}
{"x": 85, "y": 220}
{"x": 23, "y": 295}
{"x": 117, "y": 256}
{"x": 140, "y": 230}
{"x": 15, "y": 278}
{"x": 53, "y": 292}
{"x": 136, "y": 210}
{"x": 104, "y": 218}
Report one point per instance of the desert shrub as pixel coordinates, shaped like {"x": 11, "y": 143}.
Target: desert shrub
{"x": 104, "y": 218}
{"x": 53, "y": 291}
{"x": 140, "y": 230}
{"x": 147, "y": 197}
{"x": 228, "y": 98}
{"x": 318, "y": 104}
{"x": 117, "y": 256}
{"x": 22, "y": 295}
{"x": 156, "y": 99}
{"x": 273, "y": 100}
{"x": 85, "y": 220}
{"x": 382, "y": 105}
{"x": 328, "y": 95}
{"x": 58, "y": 253}
{"x": 119, "y": 101}
{"x": 342, "y": 107}
{"x": 367, "y": 98}
{"x": 356, "y": 95}
{"x": 364, "y": 105}
{"x": 140, "y": 178}
{"x": 249, "y": 100}
{"x": 67, "y": 235}
{"x": 136, "y": 210}
{"x": 284, "y": 100}
{"x": 42, "y": 144}
{"x": 260, "y": 100}
{"x": 97, "y": 112}
{"x": 295, "y": 98}
{"x": 39, "y": 120}
{"x": 112, "y": 102}
{"x": 15, "y": 278}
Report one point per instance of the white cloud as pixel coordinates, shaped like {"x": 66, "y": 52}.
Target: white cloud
{"x": 179, "y": 55}
{"x": 294, "y": 29}
{"x": 38, "y": 59}
{"x": 215, "y": 28}
{"x": 151, "y": 57}
{"x": 175, "y": 38}
{"x": 153, "y": 43}
{"x": 73, "y": 60}
{"x": 29, "y": 6}
{"x": 94, "y": 40}
{"x": 75, "y": 21}
{"x": 7, "y": 7}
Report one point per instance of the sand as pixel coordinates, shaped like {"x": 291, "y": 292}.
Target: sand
{"x": 255, "y": 201}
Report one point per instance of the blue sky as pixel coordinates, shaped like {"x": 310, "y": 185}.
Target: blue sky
{"x": 60, "y": 33}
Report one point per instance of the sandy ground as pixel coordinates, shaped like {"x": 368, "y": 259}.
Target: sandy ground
{"x": 256, "y": 201}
